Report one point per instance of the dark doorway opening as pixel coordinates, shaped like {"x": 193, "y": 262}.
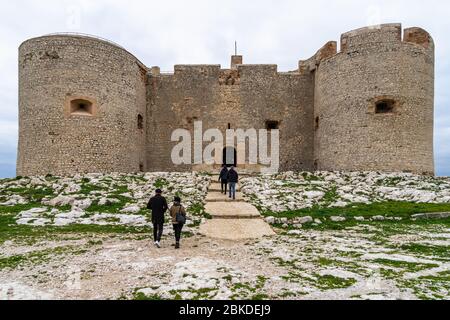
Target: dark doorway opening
{"x": 229, "y": 157}
{"x": 140, "y": 122}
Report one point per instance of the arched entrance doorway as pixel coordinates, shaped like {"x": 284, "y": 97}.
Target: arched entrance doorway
{"x": 229, "y": 157}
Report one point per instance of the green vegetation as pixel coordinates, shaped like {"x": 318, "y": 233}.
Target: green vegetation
{"x": 9, "y": 230}
{"x": 388, "y": 208}
{"x": 330, "y": 196}
{"x": 37, "y": 257}
{"x": 327, "y": 282}
{"x": 196, "y": 294}
{"x": 406, "y": 266}
{"x": 109, "y": 207}
{"x": 87, "y": 188}
{"x": 308, "y": 176}
{"x": 430, "y": 287}
{"x": 35, "y": 194}
{"x": 161, "y": 183}
{"x": 141, "y": 296}
{"x": 428, "y": 250}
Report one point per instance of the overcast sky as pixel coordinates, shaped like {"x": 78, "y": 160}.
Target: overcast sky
{"x": 165, "y": 33}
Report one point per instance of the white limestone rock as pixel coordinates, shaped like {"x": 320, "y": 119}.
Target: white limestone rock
{"x": 82, "y": 204}
{"x": 131, "y": 209}
{"x": 304, "y": 220}
{"x": 73, "y": 188}
{"x": 314, "y": 194}
{"x": 61, "y": 200}
{"x": 35, "y": 212}
{"x": 107, "y": 201}
{"x": 337, "y": 219}
{"x": 270, "y": 220}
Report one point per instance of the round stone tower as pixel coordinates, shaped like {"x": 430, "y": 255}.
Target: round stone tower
{"x": 82, "y": 103}
{"x": 374, "y": 102}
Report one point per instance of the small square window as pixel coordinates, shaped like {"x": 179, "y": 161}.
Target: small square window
{"x": 81, "y": 107}
{"x": 385, "y": 106}
{"x": 272, "y": 125}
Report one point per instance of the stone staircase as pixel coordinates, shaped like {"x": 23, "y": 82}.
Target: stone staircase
{"x": 232, "y": 219}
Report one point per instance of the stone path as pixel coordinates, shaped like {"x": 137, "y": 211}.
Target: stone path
{"x": 232, "y": 219}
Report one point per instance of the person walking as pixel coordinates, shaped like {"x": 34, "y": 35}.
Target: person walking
{"x": 223, "y": 176}
{"x": 233, "y": 179}
{"x": 158, "y": 205}
{"x": 178, "y": 214}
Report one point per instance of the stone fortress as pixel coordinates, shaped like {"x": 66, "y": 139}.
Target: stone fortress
{"x": 88, "y": 105}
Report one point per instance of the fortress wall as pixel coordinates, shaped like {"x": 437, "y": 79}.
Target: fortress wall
{"x": 244, "y": 98}
{"x": 374, "y": 65}
{"x": 53, "y": 71}
{"x": 328, "y": 111}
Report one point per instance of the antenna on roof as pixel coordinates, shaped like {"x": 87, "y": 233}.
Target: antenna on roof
{"x": 235, "y": 48}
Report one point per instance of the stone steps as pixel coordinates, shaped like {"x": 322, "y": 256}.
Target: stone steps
{"x": 236, "y": 229}
{"x": 216, "y": 187}
{"x": 217, "y": 196}
{"x": 234, "y": 210}
{"x": 232, "y": 219}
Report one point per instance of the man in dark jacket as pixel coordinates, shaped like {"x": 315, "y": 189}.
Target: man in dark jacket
{"x": 233, "y": 179}
{"x": 223, "y": 176}
{"x": 158, "y": 205}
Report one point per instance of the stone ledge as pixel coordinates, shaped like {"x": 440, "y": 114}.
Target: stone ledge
{"x": 434, "y": 215}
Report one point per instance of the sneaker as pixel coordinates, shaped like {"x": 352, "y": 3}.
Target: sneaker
{"x": 177, "y": 246}
{"x": 157, "y": 244}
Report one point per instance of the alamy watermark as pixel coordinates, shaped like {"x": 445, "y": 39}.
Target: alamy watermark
{"x": 238, "y": 147}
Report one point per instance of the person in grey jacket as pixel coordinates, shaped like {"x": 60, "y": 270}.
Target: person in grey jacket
{"x": 177, "y": 208}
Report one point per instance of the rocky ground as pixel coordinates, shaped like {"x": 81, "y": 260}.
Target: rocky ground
{"x": 339, "y": 236}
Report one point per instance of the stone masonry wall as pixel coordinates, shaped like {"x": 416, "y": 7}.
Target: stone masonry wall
{"x": 375, "y": 64}
{"x": 327, "y": 109}
{"x": 53, "y": 70}
{"x": 244, "y": 98}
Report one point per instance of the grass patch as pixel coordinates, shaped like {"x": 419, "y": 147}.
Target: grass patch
{"x": 197, "y": 294}
{"x": 160, "y": 183}
{"x": 109, "y": 207}
{"x": 406, "y": 266}
{"x": 327, "y": 282}
{"x": 9, "y": 230}
{"x": 141, "y": 296}
{"x": 427, "y": 250}
{"x": 30, "y": 194}
{"x": 388, "y": 208}
{"x": 37, "y": 257}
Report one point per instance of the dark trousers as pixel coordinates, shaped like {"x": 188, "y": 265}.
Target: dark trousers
{"x": 224, "y": 185}
{"x": 177, "y": 228}
{"x": 157, "y": 231}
